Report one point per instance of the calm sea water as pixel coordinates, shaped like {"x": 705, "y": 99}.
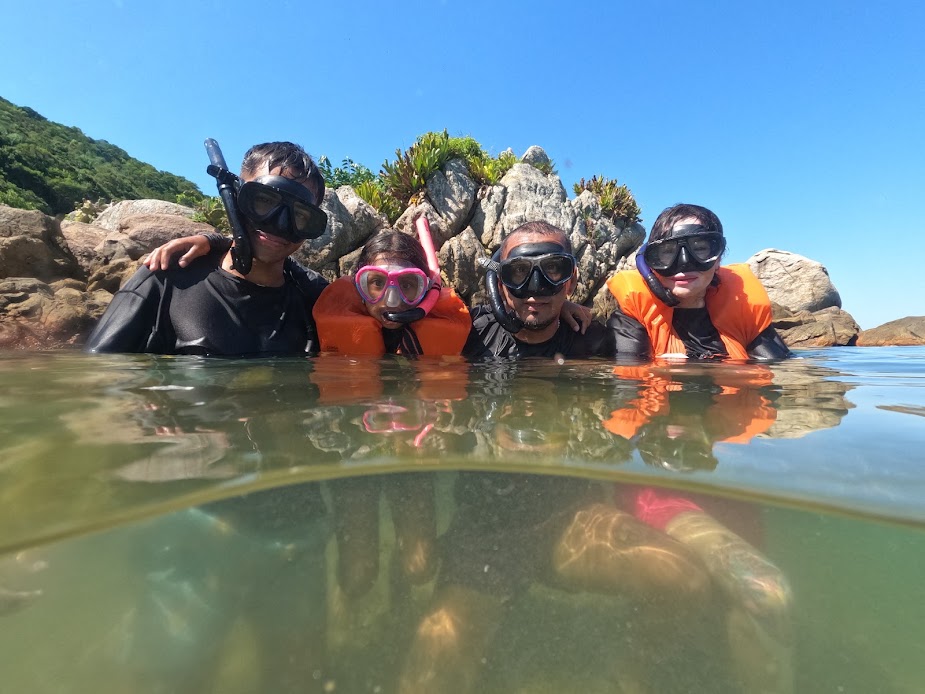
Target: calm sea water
{"x": 189, "y": 525}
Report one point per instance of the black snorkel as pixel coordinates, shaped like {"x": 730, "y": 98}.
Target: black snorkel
{"x": 656, "y": 287}
{"x": 506, "y": 319}
{"x": 241, "y": 255}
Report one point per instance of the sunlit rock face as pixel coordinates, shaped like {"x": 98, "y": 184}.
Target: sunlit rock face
{"x": 798, "y": 283}
{"x": 903, "y": 332}
{"x": 807, "y": 307}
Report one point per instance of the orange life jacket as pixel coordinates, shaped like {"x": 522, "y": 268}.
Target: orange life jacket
{"x": 739, "y": 308}
{"x": 345, "y": 327}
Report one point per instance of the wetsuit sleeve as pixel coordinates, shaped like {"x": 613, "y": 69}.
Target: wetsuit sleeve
{"x": 768, "y": 345}
{"x": 131, "y": 318}
{"x": 599, "y": 341}
{"x": 629, "y": 335}
{"x": 217, "y": 242}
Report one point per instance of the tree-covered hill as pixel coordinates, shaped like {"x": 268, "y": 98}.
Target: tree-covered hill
{"x": 53, "y": 168}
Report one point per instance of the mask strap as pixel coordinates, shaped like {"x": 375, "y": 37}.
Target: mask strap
{"x": 656, "y": 287}
{"x": 436, "y": 281}
{"x": 506, "y": 319}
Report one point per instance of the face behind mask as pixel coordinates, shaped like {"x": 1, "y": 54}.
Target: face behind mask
{"x": 536, "y": 269}
{"x": 282, "y": 207}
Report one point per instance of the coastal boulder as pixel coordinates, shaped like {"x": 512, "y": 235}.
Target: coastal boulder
{"x": 798, "y": 283}
{"x": 32, "y": 245}
{"x": 828, "y": 327}
{"x": 902, "y": 332}
{"x": 112, "y": 218}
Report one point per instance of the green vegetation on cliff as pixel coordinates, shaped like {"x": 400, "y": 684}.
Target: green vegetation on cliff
{"x": 53, "y": 168}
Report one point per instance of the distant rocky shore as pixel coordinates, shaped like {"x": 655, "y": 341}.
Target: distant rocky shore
{"x": 57, "y": 277}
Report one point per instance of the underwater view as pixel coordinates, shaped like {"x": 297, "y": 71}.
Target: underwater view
{"x": 179, "y": 524}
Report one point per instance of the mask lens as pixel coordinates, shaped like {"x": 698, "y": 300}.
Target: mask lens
{"x": 264, "y": 202}
{"x": 302, "y": 218}
{"x": 557, "y": 268}
{"x": 412, "y": 286}
{"x": 516, "y": 272}
{"x": 372, "y": 284}
{"x": 705, "y": 248}
{"x": 661, "y": 254}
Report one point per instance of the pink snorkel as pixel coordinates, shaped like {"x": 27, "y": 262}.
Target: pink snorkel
{"x": 436, "y": 282}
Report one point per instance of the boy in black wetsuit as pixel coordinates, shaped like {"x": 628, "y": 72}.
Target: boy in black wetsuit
{"x": 211, "y": 308}
{"x": 537, "y": 273}
{"x": 261, "y": 554}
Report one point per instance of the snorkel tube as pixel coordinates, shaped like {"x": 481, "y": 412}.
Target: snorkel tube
{"x": 241, "y": 255}
{"x": 436, "y": 281}
{"x": 506, "y": 319}
{"x": 656, "y": 287}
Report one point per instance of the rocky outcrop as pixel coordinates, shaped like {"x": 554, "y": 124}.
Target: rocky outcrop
{"x": 903, "y": 332}
{"x": 828, "y": 327}
{"x": 807, "y": 307}
{"x": 793, "y": 281}
{"x": 32, "y": 245}
{"x": 56, "y": 278}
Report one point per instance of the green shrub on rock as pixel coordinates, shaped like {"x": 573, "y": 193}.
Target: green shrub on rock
{"x": 617, "y": 202}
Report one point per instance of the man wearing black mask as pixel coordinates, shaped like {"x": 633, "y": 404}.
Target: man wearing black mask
{"x": 528, "y": 285}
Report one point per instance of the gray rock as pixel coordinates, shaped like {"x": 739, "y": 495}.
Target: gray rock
{"x": 793, "y": 281}
{"x": 534, "y": 196}
{"x": 459, "y": 264}
{"x": 112, "y": 217}
{"x": 536, "y": 156}
{"x": 487, "y": 215}
{"x": 344, "y": 233}
{"x": 447, "y": 203}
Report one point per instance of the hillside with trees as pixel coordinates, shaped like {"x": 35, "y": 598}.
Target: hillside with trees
{"x": 53, "y": 168}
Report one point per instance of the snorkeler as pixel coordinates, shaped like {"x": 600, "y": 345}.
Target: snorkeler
{"x": 674, "y": 423}
{"x": 246, "y": 299}
{"x": 528, "y": 284}
{"x": 213, "y": 308}
{"x": 680, "y": 302}
{"x": 394, "y": 303}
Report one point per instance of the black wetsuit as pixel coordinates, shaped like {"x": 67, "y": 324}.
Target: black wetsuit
{"x": 695, "y": 329}
{"x": 488, "y": 340}
{"x": 205, "y": 310}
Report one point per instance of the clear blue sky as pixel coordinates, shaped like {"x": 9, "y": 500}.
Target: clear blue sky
{"x": 801, "y": 124}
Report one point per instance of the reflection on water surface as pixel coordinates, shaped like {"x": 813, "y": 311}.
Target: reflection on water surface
{"x": 431, "y": 526}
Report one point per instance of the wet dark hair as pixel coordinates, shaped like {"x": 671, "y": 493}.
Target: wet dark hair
{"x": 672, "y": 215}
{"x": 290, "y": 158}
{"x": 540, "y": 229}
{"x": 393, "y": 245}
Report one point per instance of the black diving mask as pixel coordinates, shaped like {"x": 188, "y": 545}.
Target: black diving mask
{"x": 536, "y": 269}
{"x": 691, "y": 248}
{"x": 282, "y": 207}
